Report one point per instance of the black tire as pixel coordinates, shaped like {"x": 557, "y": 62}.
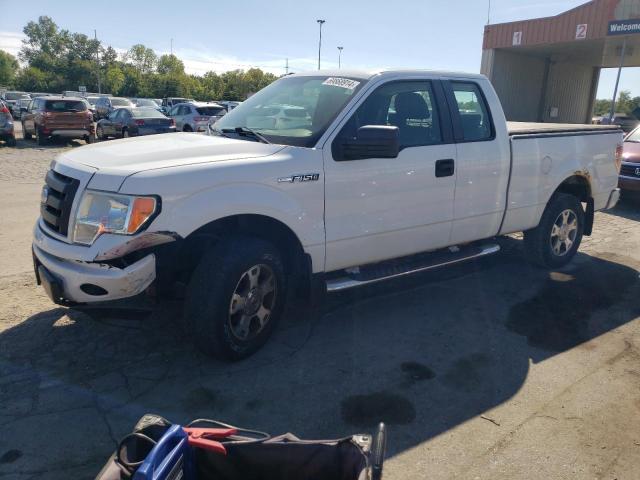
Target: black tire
{"x": 40, "y": 138}
{"x": 91, "y": 138}
{"x": 187, "y": 128}
{"x": 125, "y": 133}
{"x": 211, "y": 289}
{"x": 538, "y": 241}
{"x": 11, "y": 142}
{"x": 26, "y": 135}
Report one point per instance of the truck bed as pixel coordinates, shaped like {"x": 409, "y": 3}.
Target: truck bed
{"x": 532, "y": 128}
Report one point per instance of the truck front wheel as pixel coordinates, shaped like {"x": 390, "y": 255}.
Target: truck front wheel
{"x": 235, "y": 297}
{"x": 554, "y": 242}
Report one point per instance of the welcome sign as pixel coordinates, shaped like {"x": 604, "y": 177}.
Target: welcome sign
{"x": 624, "y": 27}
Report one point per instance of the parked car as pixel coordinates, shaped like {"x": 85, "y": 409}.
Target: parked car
{"x": 147, "y": 102}
{"x": 92, "y": 105}
{"x": 195, "y": 116}
{"x": 21, "y": 106}
{"x": 169, "y": 102}
{"x": 375, "y": 187}
{"x": 7, "y": 133}
{"x": 15, "y": 107}
{"x": 629, "y": 179}
{"x": 228, "y": 104}
{"x": 106, "y": 105}
{"x": 11, "y": 97}
{"x": 38, "y": 94}
{"x": 57, "y": 116}
{"x": 626, "y": 122}
{"x": 131, "y": 122}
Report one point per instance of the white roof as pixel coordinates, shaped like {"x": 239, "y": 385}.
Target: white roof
{"x": 368, "y": 74}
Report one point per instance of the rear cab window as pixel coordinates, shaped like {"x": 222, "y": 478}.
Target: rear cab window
{"x": 472, "y": 112}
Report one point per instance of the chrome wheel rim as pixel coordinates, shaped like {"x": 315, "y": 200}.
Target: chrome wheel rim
{"x": 564, "y": 232}
{"x": 252, "y": 302}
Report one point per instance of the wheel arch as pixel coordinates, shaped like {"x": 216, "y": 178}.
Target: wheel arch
{"x": 579, "y": 185}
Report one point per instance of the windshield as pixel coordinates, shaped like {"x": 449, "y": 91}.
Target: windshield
{"x": 293, "y": 110}
{"x": 65, "y": 106}
{"x": 210, "y": 111}
{"x": 13, "y": 95}
{"x": 146, "y": 112}
{"x": 634, "y": 136}
{"x": 92, "y": 100}
{"x": 144, "y": 102}
{"x": 121, "y": 102}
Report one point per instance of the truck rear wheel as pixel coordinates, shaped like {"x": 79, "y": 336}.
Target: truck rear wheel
{"x": 554, "y": 242}
{"x": 235, "y": 297}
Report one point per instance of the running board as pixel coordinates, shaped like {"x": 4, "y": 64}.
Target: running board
{"x": 356, "y": 277}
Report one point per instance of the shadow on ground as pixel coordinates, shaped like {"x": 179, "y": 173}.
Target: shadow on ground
{"x": 423, "y": 354}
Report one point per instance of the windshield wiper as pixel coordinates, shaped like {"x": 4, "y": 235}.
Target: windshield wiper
{"x": 247, "y": 132}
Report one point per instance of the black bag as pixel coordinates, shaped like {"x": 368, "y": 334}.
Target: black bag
{"x": 253, "y": 455}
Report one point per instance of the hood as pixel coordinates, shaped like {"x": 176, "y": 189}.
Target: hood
{"x": 631, "y": 152}
{"x": 132, "y": 155}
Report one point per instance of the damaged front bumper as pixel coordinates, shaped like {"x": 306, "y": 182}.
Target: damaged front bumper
{"x": 70, "y": 281}
{"x": 78, "y": 274}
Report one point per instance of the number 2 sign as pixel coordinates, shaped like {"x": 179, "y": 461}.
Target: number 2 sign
{"x": 581, "y": 31}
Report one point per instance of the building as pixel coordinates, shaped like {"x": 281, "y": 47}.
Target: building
{"x": 547, "y": 69}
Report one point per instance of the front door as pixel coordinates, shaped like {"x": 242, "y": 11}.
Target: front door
{"x": 381, "y": 208}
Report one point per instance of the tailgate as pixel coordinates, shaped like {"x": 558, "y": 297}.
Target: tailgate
{"x": 68, "y": 120}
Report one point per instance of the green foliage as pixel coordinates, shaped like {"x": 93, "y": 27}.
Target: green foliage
{"x": 8, "y": 68}
{"x": 624, "y": 104}
{"x": 57, "y": 60}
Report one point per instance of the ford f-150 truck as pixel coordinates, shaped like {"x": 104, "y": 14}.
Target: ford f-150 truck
{"x": 383, "y": 174}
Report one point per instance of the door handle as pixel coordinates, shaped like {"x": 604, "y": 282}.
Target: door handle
{"x": 445, "y": 167}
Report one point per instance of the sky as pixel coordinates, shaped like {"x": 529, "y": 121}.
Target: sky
{"x": 219, "y": 36}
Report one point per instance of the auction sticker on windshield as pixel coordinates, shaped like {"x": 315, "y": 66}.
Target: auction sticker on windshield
{"x": 341, "y": 82}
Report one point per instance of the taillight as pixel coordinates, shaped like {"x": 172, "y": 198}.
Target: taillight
{"x": 139, "y": 122}
{"x": 173, "y": 122}
{"x": 619, "y": 157}
{"x": 200, "y": 119}
{"x": 4, "y": 110}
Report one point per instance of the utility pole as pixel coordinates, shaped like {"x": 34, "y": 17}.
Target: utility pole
{"x": 615, "y": 90}
{"x": 489, "y": 13}
{"x": 339, "y": 56}
{"x": 320, "y": 22}
{"x": 95, "y": 36}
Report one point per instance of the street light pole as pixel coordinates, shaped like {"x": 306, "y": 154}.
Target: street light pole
{"x": 95, "y": 36}
{"x": 615, "y": 90}
{"x": 320, "y": 22}
{"x": 339, "y": 56}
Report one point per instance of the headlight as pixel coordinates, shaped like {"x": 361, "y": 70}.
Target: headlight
{"x": 111, "y": 213}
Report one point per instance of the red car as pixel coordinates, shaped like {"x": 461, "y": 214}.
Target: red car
{"x": 630, "y": 170}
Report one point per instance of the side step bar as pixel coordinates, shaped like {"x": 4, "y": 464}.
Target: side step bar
{"x": 399, "y": 268}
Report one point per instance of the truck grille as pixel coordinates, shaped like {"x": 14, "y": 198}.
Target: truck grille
{"x": 57, "y": 198}
{"x": 629, "y": 170}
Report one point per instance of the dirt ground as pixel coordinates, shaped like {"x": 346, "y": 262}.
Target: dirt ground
{"x": 491, "y": 370}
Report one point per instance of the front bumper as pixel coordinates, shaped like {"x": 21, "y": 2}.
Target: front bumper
{"x": 71, "y": 281}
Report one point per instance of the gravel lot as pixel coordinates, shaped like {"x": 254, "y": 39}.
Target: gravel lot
{"x": 492, "y": 370}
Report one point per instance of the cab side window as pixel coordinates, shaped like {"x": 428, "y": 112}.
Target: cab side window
{"x": 410, "y": 106}
{"x": 472, "y": 108}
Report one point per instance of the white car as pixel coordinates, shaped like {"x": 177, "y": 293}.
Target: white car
{"x": 394, "y": 172}
{"x": 195, "y": 116}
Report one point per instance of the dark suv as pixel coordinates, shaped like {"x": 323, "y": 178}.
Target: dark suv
{"x": 58, "y": 117}
{"x": 105, "y": 105}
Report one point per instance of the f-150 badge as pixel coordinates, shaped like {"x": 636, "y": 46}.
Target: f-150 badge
{"x": 303, "y": 177}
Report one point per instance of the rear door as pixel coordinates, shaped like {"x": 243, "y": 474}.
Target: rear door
{"x": 381, "y": 208}
{"x": 483, "y": 163}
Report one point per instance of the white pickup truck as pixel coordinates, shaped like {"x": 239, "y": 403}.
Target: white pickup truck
{"x": 334, "y": 178}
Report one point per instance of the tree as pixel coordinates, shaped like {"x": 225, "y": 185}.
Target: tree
{"x": 32, "y": 79}
{"x": 113, "y": 79}
{"x": 143, "y": 58}
{"x": 8, "y": 68}
{"x": 44, "y": 38}
{"x": 170, "y": 65}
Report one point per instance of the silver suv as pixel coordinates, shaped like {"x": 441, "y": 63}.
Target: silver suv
{"x": 195, "y": 116}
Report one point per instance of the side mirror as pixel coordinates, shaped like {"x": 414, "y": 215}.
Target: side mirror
{"x": 372, "y": 141}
